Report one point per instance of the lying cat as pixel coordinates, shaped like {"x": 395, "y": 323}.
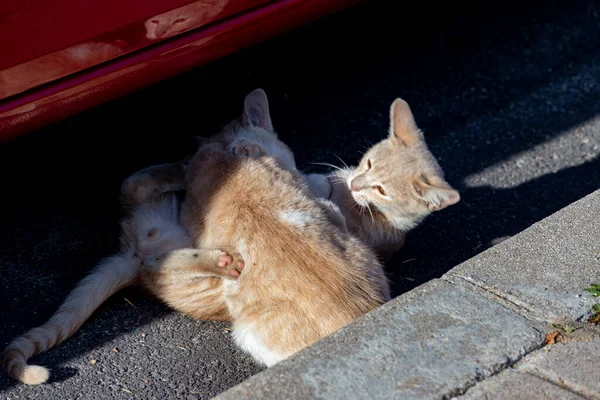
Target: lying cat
{"x": 151, "y": 227}
{"x": 304, "y": 277}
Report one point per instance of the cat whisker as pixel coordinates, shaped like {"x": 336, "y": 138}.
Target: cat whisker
{"x": 342, "y": 161}
{"x": 369, "y": 208}
{"x": 337, "y": 179}
{"x": 329, "y": 165}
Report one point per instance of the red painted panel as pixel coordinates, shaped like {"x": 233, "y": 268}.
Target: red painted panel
{"x": 131, "y": 72}
{"x": 93, "y": 32}
{"x": 33, "y": 28}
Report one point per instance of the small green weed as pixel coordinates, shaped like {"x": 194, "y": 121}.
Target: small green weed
{"x": 595, "y": 319}
{"x": 594, "y": 289}
{"x": 565, "y": 329}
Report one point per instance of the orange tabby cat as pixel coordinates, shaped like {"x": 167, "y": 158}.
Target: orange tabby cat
{"x": 304, "y": 276}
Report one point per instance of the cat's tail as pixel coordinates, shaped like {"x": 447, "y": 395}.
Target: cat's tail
{"x": 111, "y": 275}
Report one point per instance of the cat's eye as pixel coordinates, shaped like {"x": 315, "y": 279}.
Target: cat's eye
{"x": 154, "y": 21}
{"x": 369, "y": 164}
{"x": 380, "y": 190}
{"x": 179, "y": 20}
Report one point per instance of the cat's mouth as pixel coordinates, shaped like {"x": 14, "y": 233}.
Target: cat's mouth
{"x": 364, "y": 207}
{"x": 359, "y": 208}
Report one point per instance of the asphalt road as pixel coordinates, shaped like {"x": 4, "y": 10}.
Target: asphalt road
{"x": 509, "y": 100}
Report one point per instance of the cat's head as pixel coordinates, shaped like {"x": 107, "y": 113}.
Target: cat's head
{"x": 399, "y": 177}
{"x": 255, "y": 125}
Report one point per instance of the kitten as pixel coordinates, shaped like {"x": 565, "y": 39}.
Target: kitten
{"x": 304, "y": 277}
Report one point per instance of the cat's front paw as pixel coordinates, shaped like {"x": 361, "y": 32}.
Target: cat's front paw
{"x": 245, "y": 148}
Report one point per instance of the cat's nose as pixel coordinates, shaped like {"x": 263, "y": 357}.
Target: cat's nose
{"x": 358, "y": 183}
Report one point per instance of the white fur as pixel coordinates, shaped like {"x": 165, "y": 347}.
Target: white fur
{"x": 245, "y": 338}
{"x": 165, "y": 219}
{"x": 295, "y": 217}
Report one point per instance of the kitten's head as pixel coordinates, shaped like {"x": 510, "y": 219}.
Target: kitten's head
{"x": 399, "y": 177}
{"x": 255, "y": 125}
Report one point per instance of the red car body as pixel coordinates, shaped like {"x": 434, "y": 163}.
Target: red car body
{"x": 60, "y": 57}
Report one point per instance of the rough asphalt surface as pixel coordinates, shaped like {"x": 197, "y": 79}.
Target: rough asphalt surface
{"x": 508, "y": 98}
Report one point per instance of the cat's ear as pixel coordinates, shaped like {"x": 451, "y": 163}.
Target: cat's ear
{"x": 403, "y": 127}
{"x": 436, "y": 192}
{"x": 256, "y": 110}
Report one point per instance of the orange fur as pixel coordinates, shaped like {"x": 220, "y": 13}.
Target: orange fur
{"x": 304, "y": 277}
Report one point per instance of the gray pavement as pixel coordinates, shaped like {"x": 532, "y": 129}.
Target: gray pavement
{"x": 518, "y": 386}
{"x": 573, "y": 366}
{"x": 509, "y": 103}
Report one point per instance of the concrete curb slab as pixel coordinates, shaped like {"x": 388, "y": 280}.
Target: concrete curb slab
{"x": 515, "y": 385}
{"x": 575, "y": 365}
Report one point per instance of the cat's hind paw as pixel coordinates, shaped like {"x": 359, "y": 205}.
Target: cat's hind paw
{"x": 232, "y": 262}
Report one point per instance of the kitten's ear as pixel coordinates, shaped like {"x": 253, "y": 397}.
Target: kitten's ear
{"x": 256, "y": 110}
{"x": 402, "y": 124}
{"x": 436, "y": 192}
